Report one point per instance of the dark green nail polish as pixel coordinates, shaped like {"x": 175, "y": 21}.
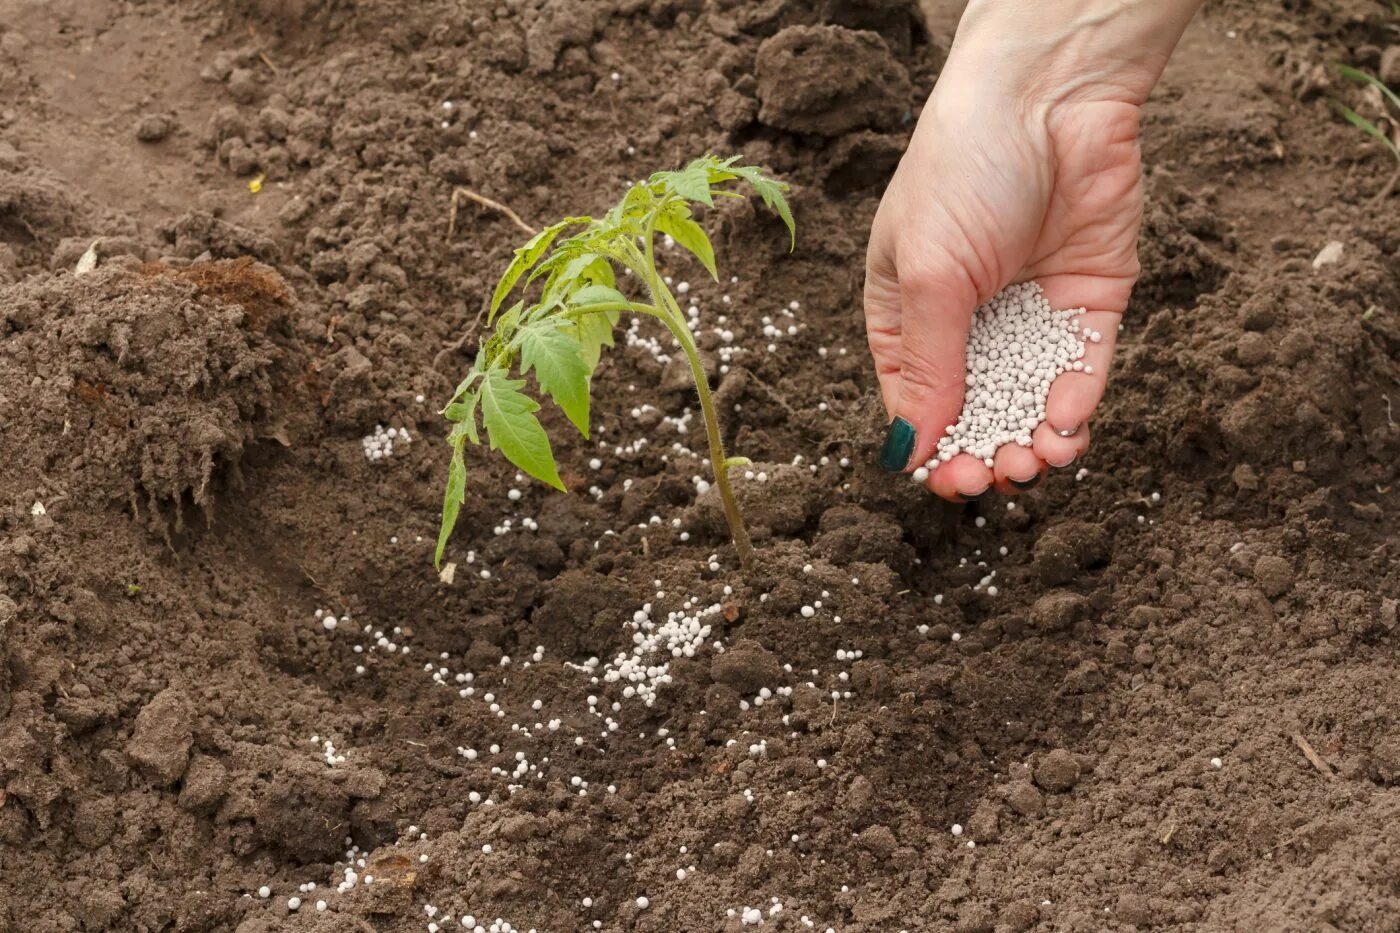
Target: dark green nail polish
{"x": 1031, "y": 483}
{"x": 899, "y": 444}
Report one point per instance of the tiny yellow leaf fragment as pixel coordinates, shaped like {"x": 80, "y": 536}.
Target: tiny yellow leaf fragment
{"x": 255, "y": 184}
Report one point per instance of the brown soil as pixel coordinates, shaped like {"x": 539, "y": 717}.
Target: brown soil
{"x": 183, "y": 486}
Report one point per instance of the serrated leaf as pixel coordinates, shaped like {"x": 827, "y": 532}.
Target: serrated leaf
{"x": 509, "y": 418}
{"x": 720, "y": 169}
{"x": 526, "y": 257}
{"x": 772, "y": 192}
{"x": 692, "y": 236}
{"x": 691, "y": 182}
{"x": 452, "y": 500}
{"x": 555, "y": 355}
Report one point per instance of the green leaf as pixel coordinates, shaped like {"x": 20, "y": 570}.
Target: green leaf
{"x": 1361, "y": 77}
{"x": 691, "y": 182}
{"x": 526, "y": 256}
{"x": 452, "y": 499}
{"x": 509, "y": 418}
{"x": 690, "y": 235}
{"x": 1357, "y": 120}
{"x": 472, "y": 375}
{"x": 463, "y": 413}
{"x": 637, "y": 203}
{"x": 596, "y": 295}
{"x": 555, "y": 355}
{"x": 594, "y": 332}
{"x": 772, "y": 192}
{"x": 720, "y": 170}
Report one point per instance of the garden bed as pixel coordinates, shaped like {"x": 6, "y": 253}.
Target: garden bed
{"x": 1158, "y": 691}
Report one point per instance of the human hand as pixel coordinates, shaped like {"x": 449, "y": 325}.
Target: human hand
{"x": 1021, "y": 167}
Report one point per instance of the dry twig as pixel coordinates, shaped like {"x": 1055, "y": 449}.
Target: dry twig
{"x": 1311, "y": 754}
{"x": 459, "y": 193}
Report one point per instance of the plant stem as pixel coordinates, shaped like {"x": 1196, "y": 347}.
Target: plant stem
{"x": 676, "y": 323}
{"x": 718, "y": 458}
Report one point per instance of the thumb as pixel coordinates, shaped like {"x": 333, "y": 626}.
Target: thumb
{"x": 937, "y": 297}
{"x": 883, "y": 320}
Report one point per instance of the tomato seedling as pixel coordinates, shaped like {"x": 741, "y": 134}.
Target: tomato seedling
{"x": 561, "y": 335}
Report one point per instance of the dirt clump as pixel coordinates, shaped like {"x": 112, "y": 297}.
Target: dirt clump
{"x": 150, "y": 382}
{"x": 829, "y": 80}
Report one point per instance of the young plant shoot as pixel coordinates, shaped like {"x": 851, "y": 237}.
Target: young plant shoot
{"x": 560, "y": 336}
{"x": 1371, "y": 129}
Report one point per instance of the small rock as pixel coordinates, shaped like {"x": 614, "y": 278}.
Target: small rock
{"x": 1057, "y": 772}
{"x": 1274, "y": 575}
{"x": 1329, "y": 254}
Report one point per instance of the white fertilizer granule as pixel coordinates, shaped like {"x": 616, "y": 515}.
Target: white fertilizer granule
{"x": 1016, "y": 348}
{"x": 380, "y": 444}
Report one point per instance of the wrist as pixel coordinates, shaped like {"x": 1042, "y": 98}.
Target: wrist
{"x": 1052, "y": 51}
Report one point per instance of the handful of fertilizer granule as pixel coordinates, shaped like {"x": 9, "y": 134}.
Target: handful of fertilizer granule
{"x": 1016, "y": 348}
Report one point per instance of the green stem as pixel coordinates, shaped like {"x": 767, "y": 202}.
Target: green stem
{"x": 675, "y": 322}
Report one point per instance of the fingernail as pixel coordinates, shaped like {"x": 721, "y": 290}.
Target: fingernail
{"x": 1024, "y": 484}
{"x": 972, "y": 497}
{"x": 899, "y": 444}
{"x": 1070, "y": 432}
{"x": 1061, "y": 466}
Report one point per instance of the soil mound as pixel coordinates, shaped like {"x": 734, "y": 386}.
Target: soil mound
{"x": 138, "y": 382}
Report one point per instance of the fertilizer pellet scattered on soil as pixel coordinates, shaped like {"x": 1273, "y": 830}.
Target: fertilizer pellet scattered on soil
{"x": 1016, "y": 348}
{"x": 380, "y": 444}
